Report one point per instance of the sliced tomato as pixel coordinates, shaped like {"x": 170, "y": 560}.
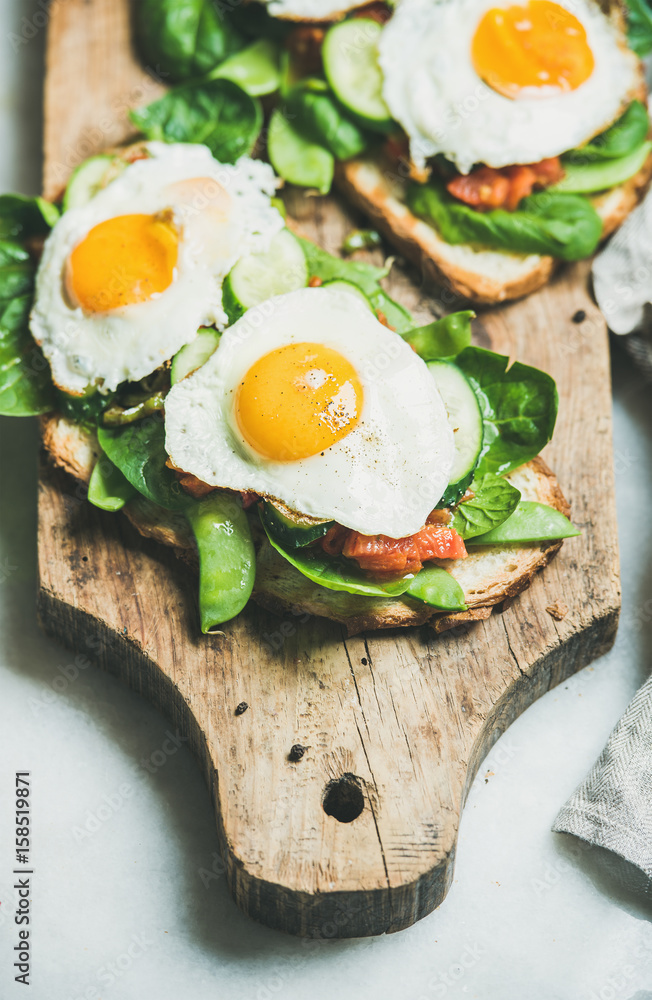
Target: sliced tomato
{"x": 549, "y": 171}
{"x": 380, "y": 554}
{"x": 438, "y": 541}
{"x": 486, "y": 187}
{"x": 333, "y": 541}
{"x": 386, "y": 557}
{"x": 483, "y": 188}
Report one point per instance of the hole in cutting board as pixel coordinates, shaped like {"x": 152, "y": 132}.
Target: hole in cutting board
{"x": 344, "y": 798}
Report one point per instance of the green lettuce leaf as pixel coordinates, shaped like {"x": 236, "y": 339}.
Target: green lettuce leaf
{"x": 83, "y": 409}
{"x": 217, "y": 113}
{"x": 22, "y": 217}
{"x": 314, "y": 112}
{"x": 138, "y": 451}
{"x": 519, "y": 408}
{"x": 182, "y": 39}
{"x": 337, "y": 573}
{"x": 495, "y": 501}
{"x": 322, "y": 264}
{"x": 639, "y": 27}
{"x": 620, "y": 139}
{"x": 25, "y": 380}
{"x": 444, "y": 338}
{"x": 565, "y": 226}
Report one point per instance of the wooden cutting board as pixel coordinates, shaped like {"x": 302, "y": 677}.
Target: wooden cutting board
{"x": 358, "y": 837}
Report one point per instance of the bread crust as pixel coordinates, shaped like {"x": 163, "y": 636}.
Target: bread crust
{"x": 280, "y": 588}
{"x": 480, "y": 276}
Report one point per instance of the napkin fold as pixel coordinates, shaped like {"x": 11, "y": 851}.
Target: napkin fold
{"x": 612, "y": 808}
{"x": 622, "y": 283}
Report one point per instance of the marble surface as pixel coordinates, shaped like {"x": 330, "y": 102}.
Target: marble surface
{"x": 126, "y": 903}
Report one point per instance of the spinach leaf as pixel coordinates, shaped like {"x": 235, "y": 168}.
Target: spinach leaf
{"x": 639, "y": 28}
{"x": 337, "y": 573}
{"x": 565, "y": 226}
{"x": 314, "y": 112}
{"x": 181, "y": 39}
{"x": 253, "y": 19}
{"x": 21, "y": 217}
{"x": 324, "y": 265}
{"x": 25, "y": 381}
{"x": 530, "y": 522}
{"x": 444, "y": 338}
{"x": 83, "y": 409}
{"x": 623, "y": 137}
{"x": 138, "y": 450}
{"x": 297, "y": 159}
{"x": 217, "y": 113}
{"x": 256, "y": 69}
{"x": 519, "y": 408}
{"x": 434, "y": 585}
{"x": 495, "y": 500}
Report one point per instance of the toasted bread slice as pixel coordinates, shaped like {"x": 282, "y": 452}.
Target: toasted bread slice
{"x": 489, "y": 575}
{"x": 482, "y": 276}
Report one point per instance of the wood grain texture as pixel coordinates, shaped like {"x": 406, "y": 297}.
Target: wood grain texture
{"x": 408, "y": 714}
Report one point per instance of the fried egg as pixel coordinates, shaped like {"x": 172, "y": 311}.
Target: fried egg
{"x": 126, "y": 280}
{"x": 501, "y": 82}
{"x": 310, "y": 400}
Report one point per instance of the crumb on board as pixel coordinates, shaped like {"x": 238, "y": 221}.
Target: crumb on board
{"x": 558, "y": 610}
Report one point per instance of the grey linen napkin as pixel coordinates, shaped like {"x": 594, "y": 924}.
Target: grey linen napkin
{"x": 622, "y": 282}
{"x": 612, "y": 808}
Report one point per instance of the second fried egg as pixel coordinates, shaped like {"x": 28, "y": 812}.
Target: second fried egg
{"x": 501, "y": 82}
{"x": 126, "y": 279}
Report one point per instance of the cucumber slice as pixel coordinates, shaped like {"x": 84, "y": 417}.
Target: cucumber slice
{"x": 193, "y": 355}
{"x": 86, "y": 181}
{"x": 341, "y": 285}
{"x": 350, "y": 55}
{"x": 256, "y": 69}
{"x": 283, "y": 268}
{"x": 465, "y": 417}
{"x": 291, "y": 530}
{"x": 587, "y": 178}
{"x": 296, "y": 159}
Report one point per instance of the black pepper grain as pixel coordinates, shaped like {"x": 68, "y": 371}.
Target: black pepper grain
{"x": 579, "y": 316}
{"x": 242, "y": 708}
{"x": 296, "y": 752}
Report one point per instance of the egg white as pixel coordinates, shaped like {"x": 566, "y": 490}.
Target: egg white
{"x": 445, "y": 107}
{"x": 384, "y": 477}
{"x": 88, "y": 350}
{"x": 311, "y": 10}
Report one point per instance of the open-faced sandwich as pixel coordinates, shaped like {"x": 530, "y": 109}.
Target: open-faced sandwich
{"x": 265, "y": 408}
{"x": 488, "y": 139}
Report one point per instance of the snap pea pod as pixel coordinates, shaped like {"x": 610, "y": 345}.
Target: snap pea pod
{"x": 530, "y": 522}
{"x": 108, "y": 489}
{"x": 118, "y": 416}
{"x": 227, "y": 563}
{"x": 434, "y": 586}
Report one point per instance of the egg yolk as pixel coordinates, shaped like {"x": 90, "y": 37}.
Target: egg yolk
{"x": 123, "y": 261}
{"x": 534, "y": 47}
{"x": 298, "y": 400}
